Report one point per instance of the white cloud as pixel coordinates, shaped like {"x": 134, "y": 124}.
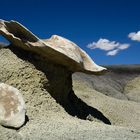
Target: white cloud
{"x": 123, "y": 46}
{"x": 112, "y": 47}
{"x": 134, "y": 36}
{"x": 112, "y": 53}
{"x": 103, "y": 44}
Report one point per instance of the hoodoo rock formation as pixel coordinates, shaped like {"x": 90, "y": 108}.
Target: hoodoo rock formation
{"x": 56, "y": 49}
{"x": 37, "y": 67}
{"x": 63, "y": 104}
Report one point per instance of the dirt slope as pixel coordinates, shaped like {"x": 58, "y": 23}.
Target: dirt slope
{"x": 96, "y": 103}
{"x": 117, "y": 83}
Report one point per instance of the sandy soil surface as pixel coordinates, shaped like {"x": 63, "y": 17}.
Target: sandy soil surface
{"x": 109, "y": 105}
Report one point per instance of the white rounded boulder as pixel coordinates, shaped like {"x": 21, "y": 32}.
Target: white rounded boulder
{"x": 12, "y": 107}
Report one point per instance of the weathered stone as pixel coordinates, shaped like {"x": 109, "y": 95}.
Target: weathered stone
{"x": 56, "y": 49}
{"x": 12, "y": 107}
{"x": 56, "y": 57}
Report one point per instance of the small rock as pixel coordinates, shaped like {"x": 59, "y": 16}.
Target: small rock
{"x": 12, "y": 107}
{"x": 89, "y": 117}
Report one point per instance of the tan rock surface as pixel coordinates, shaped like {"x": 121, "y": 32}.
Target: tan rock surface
{"x": 56, "y": 49}
{"x": 12, "y": 107}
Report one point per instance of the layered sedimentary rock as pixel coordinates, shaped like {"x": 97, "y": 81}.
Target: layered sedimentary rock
{"x": 56, "y": 49}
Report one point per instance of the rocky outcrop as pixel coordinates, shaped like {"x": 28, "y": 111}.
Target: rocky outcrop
{"x": 44, "y": 67}
{"x": 12, "y": 107}
{"x": 47, "y": 87}
{"x": 48, "y": 119}
{"x": 56, "y": 49}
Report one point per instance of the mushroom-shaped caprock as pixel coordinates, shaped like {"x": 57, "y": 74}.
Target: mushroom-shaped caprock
{"x": 56, "y": 49}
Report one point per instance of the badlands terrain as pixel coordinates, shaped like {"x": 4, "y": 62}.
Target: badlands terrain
{"x": 102, "y": 107}
{"x": 67, "y": 96}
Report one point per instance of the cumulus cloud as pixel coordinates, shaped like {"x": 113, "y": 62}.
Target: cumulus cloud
{"x": 103, "y": 44}
{"x": 134, "y": 36}
{"x": 112, "y": 47}
{"x": 112, "y": 53}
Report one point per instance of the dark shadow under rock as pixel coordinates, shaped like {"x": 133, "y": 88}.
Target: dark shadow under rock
{"x": 77, "y": 107}
{"x": 26, "y": 121}
{"x": 59, "y": 85}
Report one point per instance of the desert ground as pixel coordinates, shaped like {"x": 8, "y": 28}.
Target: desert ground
{"x": 105, "y": 107}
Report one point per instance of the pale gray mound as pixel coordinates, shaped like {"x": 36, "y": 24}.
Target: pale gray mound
{"x": 30, "y": 81}
{"x": 121, "y": 82}
{"x": 132, "y": 89}
{"x": 50, "y": 120}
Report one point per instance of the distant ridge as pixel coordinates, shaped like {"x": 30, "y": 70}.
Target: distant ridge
{"x": 2, "y": 44}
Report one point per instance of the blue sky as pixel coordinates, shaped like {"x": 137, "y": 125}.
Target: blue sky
{"x": 84, "y": 22}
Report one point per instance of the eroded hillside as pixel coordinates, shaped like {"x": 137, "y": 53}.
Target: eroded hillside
{"x": 121, "y": 82}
